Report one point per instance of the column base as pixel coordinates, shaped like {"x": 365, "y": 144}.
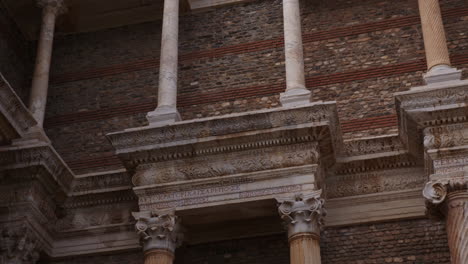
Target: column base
{"x": 442, "y": 73}
{"x": 163, "y": 115}
{"x": 295, "y": 97}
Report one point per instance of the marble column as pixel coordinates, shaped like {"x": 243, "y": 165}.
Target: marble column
{"x": 451, "y": 197}
{"x": 166, "y": 112}
{"x": 296, "y": 93}
{"x": 435, "y": 44}
{"x": 303, "y": 216}
{"x": 160, "y": 234}
{"x": 40, "y": 82}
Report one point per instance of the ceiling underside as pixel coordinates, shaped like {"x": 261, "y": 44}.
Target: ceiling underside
{"x": 93, "y": 15}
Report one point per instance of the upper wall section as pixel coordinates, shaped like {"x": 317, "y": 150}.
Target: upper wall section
{"x": 232, "y": 60}
{"x": 15, "y": 55}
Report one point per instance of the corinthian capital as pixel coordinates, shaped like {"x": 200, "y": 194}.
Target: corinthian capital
{"x": 158, "y": 230}
{"x": 57, "y": 6}
{"x": 303, "y": 213}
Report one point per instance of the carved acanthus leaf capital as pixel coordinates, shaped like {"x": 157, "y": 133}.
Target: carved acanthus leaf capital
{"x": 158, "y": 230}
{"x": 303, "y": 214}
{"x": 58, "y": 7}
{"x": 19, "y": 245}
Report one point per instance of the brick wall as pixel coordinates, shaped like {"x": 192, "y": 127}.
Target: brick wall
{"x": 231, "y": 60}
{"x": 419, "y": 241}
{"x": 15, "y": 55}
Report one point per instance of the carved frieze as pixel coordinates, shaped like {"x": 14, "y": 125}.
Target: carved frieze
{"x": 266, "y": 158}
{"x": 374, "y": 182}
{"x": 100, "y": 216}
{"x": 302, "y": 213}
{"x": 446, "y": 136}
{"x": 374, "y": 145}
{"x": 101, "y": 182}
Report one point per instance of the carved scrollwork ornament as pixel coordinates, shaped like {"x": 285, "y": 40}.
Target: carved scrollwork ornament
{"x": 158, "y": 230}
{"x": 303, "y": 214}
{"x": 435, "y": 192}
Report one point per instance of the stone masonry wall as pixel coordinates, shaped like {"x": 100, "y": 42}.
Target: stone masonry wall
{"x": 231, "y": 60}
{"x": 410, "y": 241}
{"x": 15, "y": 55}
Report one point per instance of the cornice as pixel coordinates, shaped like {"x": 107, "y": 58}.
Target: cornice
{"x": 39, "y": 154}
{"x": 198, "y": 130}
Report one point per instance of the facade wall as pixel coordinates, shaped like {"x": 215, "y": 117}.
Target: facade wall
{"x": 231, "y": 60}
{"x": 410, "y": 241}
{"x": 15, "y": 55}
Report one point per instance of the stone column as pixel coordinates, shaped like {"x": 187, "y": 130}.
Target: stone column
{"x": 40, "y": 82}
{"x": 303, "y": 216}
{"x": 166, "y": 112}
{"x": 296, "y": 93}
{"x": 435, "y": 44}
{"x": 160, "y": 234}
{"x": 452, "y": 198}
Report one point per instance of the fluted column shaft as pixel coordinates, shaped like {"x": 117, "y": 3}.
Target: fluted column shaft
{"x": 40, "y": 81}
{"x": 435, "y": 42}
{"x": 304, "y": 249}
{"x": 296, "y": 92}
{"x": 457, "y": 226}
{"x": 158, "y": 256}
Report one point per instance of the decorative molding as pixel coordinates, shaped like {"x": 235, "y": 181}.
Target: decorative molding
{"x": 158, "y": 230}
{"x": 40, "y": 154}
{"x": 448, "y": 136}
{"x": 396, "y": 179}
{"x": 259, "y": 159}
{"x": 303, "y": 213}
{"x": 192, "y": 131}
{"x": 101, "y": 182}
{"x": 94, "y": 218}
